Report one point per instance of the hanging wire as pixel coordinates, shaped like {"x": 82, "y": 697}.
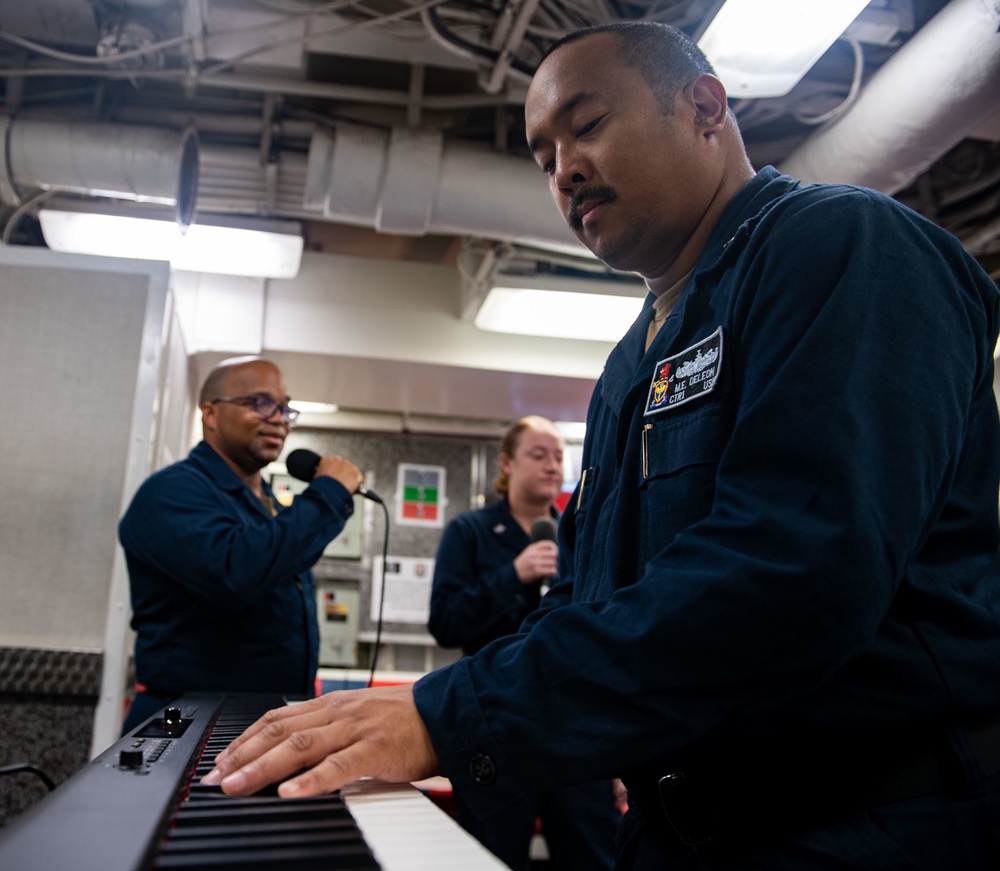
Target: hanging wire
{"x": 88, "y": 60}
{"x": 341, "y": 28}
{"x": 852, "y": 93}
{"x": 23, "y": 209}
{"x": 27, "y": 768}
{"x": 184, "y": 39}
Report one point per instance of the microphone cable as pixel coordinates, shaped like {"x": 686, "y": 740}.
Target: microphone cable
{"x": 302, "y": 463}
{"x": 381, "y": 598}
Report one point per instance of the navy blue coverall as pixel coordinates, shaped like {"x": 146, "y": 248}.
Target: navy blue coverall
{"x": 781, "y": 574}
{"x": 477, "y": 597}
{"x": 223, "y": 597}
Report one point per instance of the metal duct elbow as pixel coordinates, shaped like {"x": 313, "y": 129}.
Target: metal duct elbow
{"x": 142, "y": 164}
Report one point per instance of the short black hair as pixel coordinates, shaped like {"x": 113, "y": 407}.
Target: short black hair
{"x": 667, "y": 58}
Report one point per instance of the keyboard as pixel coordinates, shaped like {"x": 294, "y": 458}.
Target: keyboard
{"x": 140, "y": 806}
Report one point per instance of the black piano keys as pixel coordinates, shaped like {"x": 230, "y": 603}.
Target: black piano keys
{"x": 211, "y": 831}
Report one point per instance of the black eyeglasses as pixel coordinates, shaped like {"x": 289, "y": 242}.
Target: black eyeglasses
{"x": 263, "y": 406}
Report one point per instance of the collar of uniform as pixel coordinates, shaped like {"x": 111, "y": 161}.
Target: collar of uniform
{"x": 211, "y": 463}
{"x": 764, "y": 188}
{"x": 500, "y": 511}
{"x": 625, "y": 356}
{"x": 625, "y": 369}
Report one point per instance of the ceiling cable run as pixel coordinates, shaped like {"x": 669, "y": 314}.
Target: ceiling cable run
{"x": 511, "y": 27}
{"x": 470, "y": 49}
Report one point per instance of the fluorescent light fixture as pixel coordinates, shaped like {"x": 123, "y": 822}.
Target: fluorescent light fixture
{"x": 313, "y": 407}
{"x": 572, "y": 430}
{"x": 558, "y": 313}
{"x": 761, "y": 48}
{"x": 227, "y": 245}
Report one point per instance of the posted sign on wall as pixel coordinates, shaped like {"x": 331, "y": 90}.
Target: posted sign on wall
{"x": 407, "y": 589}
{"x": 420, "y": 495}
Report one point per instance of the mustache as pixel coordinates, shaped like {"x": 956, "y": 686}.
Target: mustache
{"x": 599, "y": 194}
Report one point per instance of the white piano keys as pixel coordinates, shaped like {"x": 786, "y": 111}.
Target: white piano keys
{"x": 408, "y": 832}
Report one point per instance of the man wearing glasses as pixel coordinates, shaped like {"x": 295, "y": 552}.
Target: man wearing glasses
{"x": 223, "y": 597}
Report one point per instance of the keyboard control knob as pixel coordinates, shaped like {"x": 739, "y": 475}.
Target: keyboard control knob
{"x": 130, "y": 758}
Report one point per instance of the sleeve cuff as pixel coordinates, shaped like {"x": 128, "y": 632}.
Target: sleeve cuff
{"x": 470, "y": 757}
{"x": 334, "y": 494}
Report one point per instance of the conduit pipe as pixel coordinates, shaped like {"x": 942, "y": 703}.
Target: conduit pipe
{"x": 923, "y": 101}
{"x": 413, "y": 182}
{"x": 142, "y": 164}
{"x": 357, "y": 93}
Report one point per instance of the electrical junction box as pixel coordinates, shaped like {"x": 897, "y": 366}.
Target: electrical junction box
{"x": 338, "y": 604}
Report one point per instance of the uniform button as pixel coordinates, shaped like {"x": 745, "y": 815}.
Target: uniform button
{"x": 482, "y": 769}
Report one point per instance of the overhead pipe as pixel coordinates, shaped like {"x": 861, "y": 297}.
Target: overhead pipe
{"x": 142, "y": 164}
{"x": 923, "y": 101}
{"x": 356, "y": 93}
{"x": 512, "y": 24}
{"x": 413, "y": 182}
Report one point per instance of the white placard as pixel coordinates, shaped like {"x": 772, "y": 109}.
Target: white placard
{"x": 407, "y": 589}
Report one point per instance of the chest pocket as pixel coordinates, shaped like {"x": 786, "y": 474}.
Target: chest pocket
{"x": 679, "y": 459}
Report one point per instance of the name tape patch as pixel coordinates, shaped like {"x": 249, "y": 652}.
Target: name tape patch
{"x": 686, "y": 376}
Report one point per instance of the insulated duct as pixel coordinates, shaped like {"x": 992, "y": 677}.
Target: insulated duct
{"x": 413, "y": 182}
{"x": 923, "y": 101}
{"x": 935, "y": 91}
{"x": 931, "y": 94}
{"x": 142, "y": 164}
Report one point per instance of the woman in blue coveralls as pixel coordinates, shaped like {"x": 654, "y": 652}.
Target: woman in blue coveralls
{"x": 488, "y": 576}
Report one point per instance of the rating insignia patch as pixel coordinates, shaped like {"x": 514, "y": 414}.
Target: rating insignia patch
{"x": 686, "y": 376}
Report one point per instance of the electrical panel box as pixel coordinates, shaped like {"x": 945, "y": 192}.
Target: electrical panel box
{"x": 337, "y": 605}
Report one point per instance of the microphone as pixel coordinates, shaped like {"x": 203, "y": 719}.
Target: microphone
{"x": 301, "y": 463}
{"x": 542, "y": 528}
